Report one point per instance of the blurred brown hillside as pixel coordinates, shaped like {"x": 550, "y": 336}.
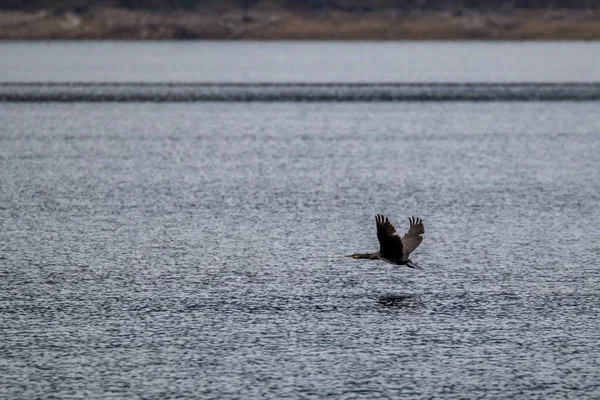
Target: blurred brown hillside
{"x": 296, "y": 19}
{"x": 340, "y": 5}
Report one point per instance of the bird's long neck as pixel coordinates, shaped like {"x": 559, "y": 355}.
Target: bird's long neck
{"x": 369, "y": 256}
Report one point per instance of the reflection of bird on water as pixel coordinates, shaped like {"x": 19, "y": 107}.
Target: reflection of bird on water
{"x": 392, "y": 248}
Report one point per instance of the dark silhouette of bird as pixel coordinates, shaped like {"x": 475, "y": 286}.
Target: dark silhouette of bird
{"x": 392, "y": 248}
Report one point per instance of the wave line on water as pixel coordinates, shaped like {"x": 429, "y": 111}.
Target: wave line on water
{"x": 294, "y": 92}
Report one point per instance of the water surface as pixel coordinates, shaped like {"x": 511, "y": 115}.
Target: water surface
{"x": 281, "y": 61}
{"x": 196, "y": 250}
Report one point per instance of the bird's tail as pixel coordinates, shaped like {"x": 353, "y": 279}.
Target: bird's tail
{"x": 411, "y": 264}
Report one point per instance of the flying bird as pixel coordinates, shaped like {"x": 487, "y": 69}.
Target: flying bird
{"x": 392, "y": 248}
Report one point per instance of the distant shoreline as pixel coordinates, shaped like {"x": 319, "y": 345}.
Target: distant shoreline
{"x": 123, "y": 24}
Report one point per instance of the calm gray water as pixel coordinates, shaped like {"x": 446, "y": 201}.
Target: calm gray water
{"x": 196, "y": 249}
{"x": 234, "y": 61}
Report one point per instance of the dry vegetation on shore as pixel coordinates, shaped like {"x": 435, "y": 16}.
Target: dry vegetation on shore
{"x": 119, "y": 23}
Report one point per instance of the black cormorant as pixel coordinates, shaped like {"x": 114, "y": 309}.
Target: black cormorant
{"x": 392, "y": 248}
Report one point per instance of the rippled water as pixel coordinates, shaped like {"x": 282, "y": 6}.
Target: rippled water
{"x": 196, "y": 250}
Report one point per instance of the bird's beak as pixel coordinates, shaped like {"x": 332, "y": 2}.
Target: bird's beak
{"x": 349, "y": 255}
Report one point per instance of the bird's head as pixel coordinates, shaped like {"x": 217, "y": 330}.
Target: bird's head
{"x": 355, "y": 256}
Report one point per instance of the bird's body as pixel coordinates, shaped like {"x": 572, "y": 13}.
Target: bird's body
{"x": 394, "y": 249}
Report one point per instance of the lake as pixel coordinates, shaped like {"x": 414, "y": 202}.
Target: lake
{"x": 195, "y": 249}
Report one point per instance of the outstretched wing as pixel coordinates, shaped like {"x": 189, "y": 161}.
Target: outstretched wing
{"x": 412, "y": 239}
{"x": 390, "y": 244}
